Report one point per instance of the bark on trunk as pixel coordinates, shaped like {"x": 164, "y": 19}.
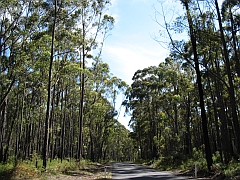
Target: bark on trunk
{"x": 208, "y": 152}
{"x": 230, "y": 81}
{"x": 48, "y": 112}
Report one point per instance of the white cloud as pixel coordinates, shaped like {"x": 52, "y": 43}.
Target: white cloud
{"x": 113, "y": 11}
{"x": 131, "y": 47}
{"x": 126, "y": 59}
{"x": 114, "y": 2}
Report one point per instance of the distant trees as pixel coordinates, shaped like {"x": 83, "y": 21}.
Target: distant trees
{"x": 159, "y": 101}
{"x": 55, "y": 92}
{"x": 195, "y": 91}
{"x": 57, "y": 97}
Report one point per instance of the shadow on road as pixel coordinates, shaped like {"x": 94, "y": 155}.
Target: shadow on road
{"x": 136, "y": 172}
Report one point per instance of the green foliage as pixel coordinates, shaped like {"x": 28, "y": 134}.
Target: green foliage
{"x": 157, "y": 99}
{"x": 232, "y": 170}
{"x": 26, "y": 49}
{"x": 28, "y": 170}
{"x": 6, "y": 171}
{"x": 164, "y": 101}
{"x": 196, "y": 159}
{"x": 182, "y": 162}
{"x": 170, "y": 162}
{"x": 23, "y": 170}
{"x": 56, "y": 166}
{"x": 186, "y": 163}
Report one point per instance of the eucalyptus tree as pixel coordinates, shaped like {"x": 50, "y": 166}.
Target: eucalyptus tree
{"x": 27, "y": 31}
{"x": 141, "y": 102}
{"x": 120, "y": 146}
{"x": 100, "y": 92}
{"x": 159, "y": 107}
{"x": 49, "y": 97}
{"x": 230, "y": 79}
{"x": 17, "y": 24}
{"x": 88, "y": 15}
{"x": 92, "y": 21}
{"x": 208, "y": 42}
{"x": 193, "y": 38}
{"x": 212, "y": 52}
{"x": 230, "y": 16}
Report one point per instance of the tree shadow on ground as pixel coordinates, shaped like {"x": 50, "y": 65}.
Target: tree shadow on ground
{"x": 138, "y": 172}
{"x": 92, "y": 170}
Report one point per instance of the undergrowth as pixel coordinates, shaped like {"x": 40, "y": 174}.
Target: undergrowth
{"x": 30, "y": 169}
{"x": 187, "y": 164}
{"x": 6, "y": 171}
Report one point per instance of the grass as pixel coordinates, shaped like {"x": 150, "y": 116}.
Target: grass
{"x": 31, "y": 170}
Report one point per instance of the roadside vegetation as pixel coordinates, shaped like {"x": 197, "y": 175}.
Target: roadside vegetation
{"x": 67, "y": 169}
{"x": 185, "y": 111}
{"x": 184, "y": 165}
{"x": 58, "y": 96}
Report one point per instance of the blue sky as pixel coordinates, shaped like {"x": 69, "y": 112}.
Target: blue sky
{"x": 130, "y": 45}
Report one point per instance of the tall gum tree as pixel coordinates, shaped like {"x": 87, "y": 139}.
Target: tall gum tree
{"x": 208, "y": 152}
{"x": 152, "y": 100}
{"x": 232, "y": 94}
{"x": 22, "y": 116}
{"x": 13, "y": 38}
{"x": 93, "y": 21}
{"x": 230, "y": 16}
{"x": 49, "y": 97}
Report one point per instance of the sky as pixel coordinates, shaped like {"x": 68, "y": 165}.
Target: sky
{"x": 130, "y": 45}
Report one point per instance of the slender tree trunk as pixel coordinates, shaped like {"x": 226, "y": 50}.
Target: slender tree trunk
{"x": 80, "y": 137}
{"x": 188, "y": 145}
{"x": 70, "y": 132}
{"x": 225, "y": 139}
{"x": 230, "y": 81}
{"x": 236, "y": 58}
{"x": 39, "y": 137}
{"x": 51, "y": 126}
{"x": 20, "y": 130}
{"x": 218, "y": 144}
{"x": 16, "y": 130}
{"x": 3, "y": 129}
{"x": 6, "y": 94}
{"x": 208, "y": 152}
{"x": 48, "y": 112}
{"x": 63, "y": 125}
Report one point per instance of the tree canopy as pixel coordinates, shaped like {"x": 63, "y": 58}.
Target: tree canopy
{"x": 57, "y": 95}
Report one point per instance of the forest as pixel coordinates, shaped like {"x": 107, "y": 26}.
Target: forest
{"x": 58, "y": 96}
